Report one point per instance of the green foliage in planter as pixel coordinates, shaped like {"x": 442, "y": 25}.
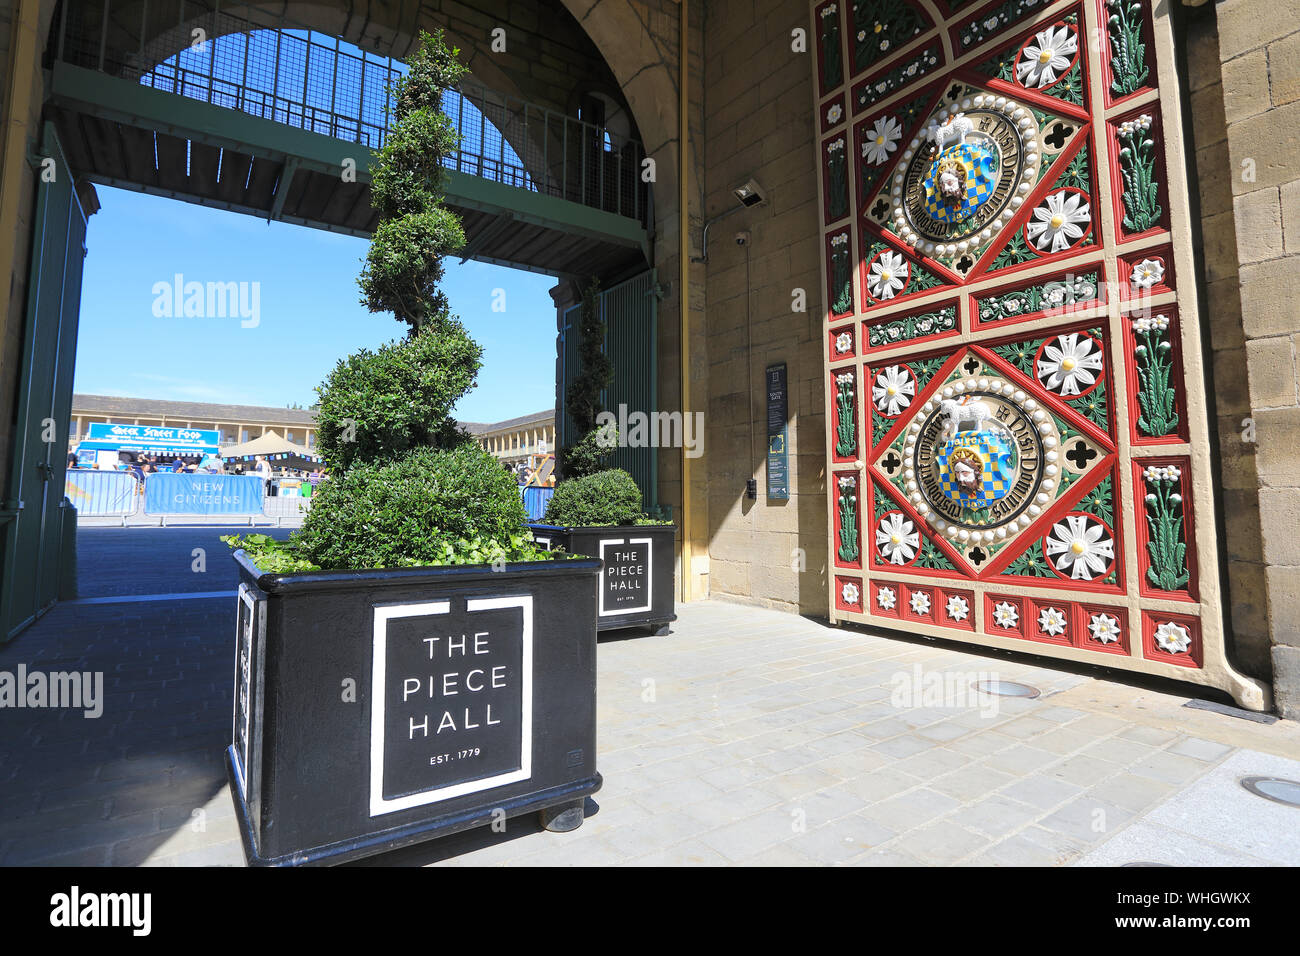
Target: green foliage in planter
{"x": 407, "y": 487}
{"x": 587, "y": 457}
{"x": 377, "y": 406}
{"x": 402, "y": 270}
{"x": 431, "y": 507}
{"x": 270, "y": 556}
{"x": 404, "y": 262}
{"x": 606, "y": 498}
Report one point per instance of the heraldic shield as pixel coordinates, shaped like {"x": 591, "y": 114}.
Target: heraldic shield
{"x": 976, "y": 468}
{"x": 974, "y": 167}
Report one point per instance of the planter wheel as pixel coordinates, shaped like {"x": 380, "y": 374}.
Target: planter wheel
{"x": 562, "y": 818}
{"x": 662, "y": 630}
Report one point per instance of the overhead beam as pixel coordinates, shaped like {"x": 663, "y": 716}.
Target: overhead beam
{"x": 282, "y": 187}
{"x": 211, "y": 203}
{"x": 486, "y": 235}
{"x": 79, "y": 89}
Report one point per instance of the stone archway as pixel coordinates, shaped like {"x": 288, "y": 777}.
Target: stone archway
{"x": 645, "y": 68}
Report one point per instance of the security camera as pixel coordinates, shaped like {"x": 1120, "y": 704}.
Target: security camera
{"x": 742, "y": 238}
{"x": 750, "y": 194}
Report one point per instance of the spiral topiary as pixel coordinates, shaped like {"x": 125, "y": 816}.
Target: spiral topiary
{"x": 407, "y": 486}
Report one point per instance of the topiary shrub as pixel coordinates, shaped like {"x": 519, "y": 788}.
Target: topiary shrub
{"x": 377, "y": 406}
{"x": 431, "y": 507}
{"x": 606, "y": 498}
{"x": 587, "y": 456}
{"x": 407, "y": 486}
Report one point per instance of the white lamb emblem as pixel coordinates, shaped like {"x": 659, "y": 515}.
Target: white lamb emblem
{"x": 968, "y": 410}
{"x": 953, "y": 132}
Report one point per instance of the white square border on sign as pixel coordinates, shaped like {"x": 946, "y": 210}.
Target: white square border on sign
{"x": 246, "y": 600}
{"x": 383, "y": 614}
{"x": 650, "y": 572}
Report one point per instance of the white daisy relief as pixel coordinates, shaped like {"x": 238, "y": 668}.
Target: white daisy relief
{"x": 850, "y": 593}
{"x": 844, "y": 342}
{"x": 834, "y": 113}
{"x": 1059, "y": 222}
{"x": 1151, "y": 323}
{"x": 897, "y": 538}
{"x": 1005, "y": 615}
{"x": 1173, "y": 638}
{"x": 888, "y": 275}
{"x": 1147, "y": 273}
{"x": 1162, "y": 473}
{"x": 1080, "y": 547}
{"x": 1048, "y": 57}
{"x": 1051, "y": 621}
{"x": 1104, "y": 628}
{"x": 881, "y": 140}
{"x": 887, "y": 598}
{"x": 920, "y": 602}
{"x": 1070, "y": 364}
{"x": 958, "y": 608}
{"x": 893, "y": 390}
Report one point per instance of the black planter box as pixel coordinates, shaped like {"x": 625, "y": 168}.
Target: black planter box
{"x": 636, "y": 579}
{"x": 377, "y": 709}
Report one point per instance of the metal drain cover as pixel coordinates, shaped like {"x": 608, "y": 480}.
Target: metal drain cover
{"x": 1005, "y": 688}
{"x": 1278, "y": 789}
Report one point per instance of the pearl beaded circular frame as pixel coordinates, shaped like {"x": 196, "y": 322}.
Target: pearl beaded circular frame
{"x": 1023, "y": 120}
{"x": 1050, "y": 439}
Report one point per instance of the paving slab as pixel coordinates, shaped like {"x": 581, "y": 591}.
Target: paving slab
{"x": 768, "y": 739}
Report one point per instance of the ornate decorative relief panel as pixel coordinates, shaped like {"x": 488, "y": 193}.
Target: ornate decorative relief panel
{"x": 1018, "y": 447}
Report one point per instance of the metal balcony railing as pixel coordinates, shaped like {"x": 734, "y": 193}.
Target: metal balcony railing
{"x": 257, "y": 63}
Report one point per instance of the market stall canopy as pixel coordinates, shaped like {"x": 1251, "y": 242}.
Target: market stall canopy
{"x": 275, "y": 448}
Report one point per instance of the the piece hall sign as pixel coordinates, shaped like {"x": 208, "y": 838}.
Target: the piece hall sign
{"x": 1017, "y": 435}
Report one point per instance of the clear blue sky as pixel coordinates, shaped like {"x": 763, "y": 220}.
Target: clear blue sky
{"x": 309, "y": 312}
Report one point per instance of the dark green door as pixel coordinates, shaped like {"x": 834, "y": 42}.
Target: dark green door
{"x": 32, "y": 554}
{"x": 629, "y": 311}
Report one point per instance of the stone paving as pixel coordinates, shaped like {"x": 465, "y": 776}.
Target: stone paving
{"x": 746, "y": 736}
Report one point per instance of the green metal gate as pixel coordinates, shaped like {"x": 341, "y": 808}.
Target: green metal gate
{"x": 34, "y": 540}
{"x": 630, "y": 313}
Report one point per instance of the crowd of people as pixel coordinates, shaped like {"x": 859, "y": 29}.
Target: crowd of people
{"x": 141, "y": 464}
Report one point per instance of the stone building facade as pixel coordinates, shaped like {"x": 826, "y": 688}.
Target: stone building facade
{"x": 750, "y": 114}
{"x": 516, "y": 440}
{"x": 233, "y": 423}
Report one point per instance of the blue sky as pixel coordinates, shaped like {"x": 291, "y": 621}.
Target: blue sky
{"x": 308, "y": 315}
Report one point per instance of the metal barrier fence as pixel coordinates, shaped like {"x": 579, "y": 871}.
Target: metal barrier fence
{"x": 119, "y": 494}
{"x": 102, "y": 493}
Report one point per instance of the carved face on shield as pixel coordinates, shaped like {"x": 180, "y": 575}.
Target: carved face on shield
{"x": 951, "y": 180}
{"x": 966, "y": 469}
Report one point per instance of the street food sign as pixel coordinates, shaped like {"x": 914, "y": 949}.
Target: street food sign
{"x": 451, "y": 699}
{"x": 778, "y": 459}
{"x": 155, "y": 438}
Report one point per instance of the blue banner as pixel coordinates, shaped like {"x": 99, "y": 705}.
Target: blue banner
{"x": 182, "y": 494}
{"x": 536, "y": 500}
